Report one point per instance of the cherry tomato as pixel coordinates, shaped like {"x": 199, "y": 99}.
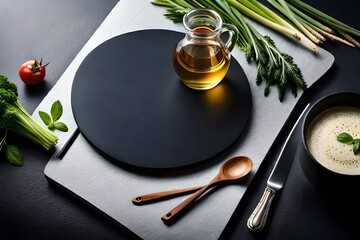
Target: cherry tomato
{"x": 32, "y": 72}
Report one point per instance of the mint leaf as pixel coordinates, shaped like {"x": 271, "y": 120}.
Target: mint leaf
{"x": 51, "y": 126}
{"x": 348, "y": 139}
{"x": 61, "y": 126}
{"x": 356, "y": 146}
{"x": 51, "y": 121}
{"x": 56, "y": 110}
{"x": 45, "y": 117}
{"x": 345, "y": 138}
{"x": 14, "y": 155}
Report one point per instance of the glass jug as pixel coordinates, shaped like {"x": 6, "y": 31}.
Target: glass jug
{"x": 201, "y": 59}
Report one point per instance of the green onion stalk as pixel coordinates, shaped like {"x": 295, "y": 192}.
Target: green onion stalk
{"x": 315, "y": 24}
{"x": 265, "y": 16}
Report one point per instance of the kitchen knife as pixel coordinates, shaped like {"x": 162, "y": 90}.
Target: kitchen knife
{"x": 275, "y": 182}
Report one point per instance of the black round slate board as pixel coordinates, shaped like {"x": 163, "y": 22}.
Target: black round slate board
{"x": 129, "y": 103}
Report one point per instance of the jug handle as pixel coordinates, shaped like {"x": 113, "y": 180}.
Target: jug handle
{"x": 233, "y": 35}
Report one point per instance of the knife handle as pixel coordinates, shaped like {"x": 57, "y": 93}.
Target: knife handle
{"x": 257, "y": 219}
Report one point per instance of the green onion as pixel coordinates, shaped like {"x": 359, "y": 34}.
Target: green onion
{"x": 266, "y": 17}
{"x": 312, "y": 21}
{"x": 332, "y": 22}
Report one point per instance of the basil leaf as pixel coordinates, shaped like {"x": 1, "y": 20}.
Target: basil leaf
{"x": 356, "y": 146}
{"x": 45, "y": 117}
{"x": 14, "y": 155}
{"x": 56, "y": 110}
{"x": 51, "y": 126}
{"x": 345, "y": 138}
{"x": 61, "y": 126}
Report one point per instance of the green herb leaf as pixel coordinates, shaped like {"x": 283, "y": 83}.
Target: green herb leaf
{"x": 61, "y": 126}
{"x": 51, "y": 126}
{"x": 345, "y": 138}
{"x": 45, "y": 117}
{"x": 51, "y": 121}
{"x": 14, "y": 155}
{"x": 56, "y": 110}
{"x": 356, "y": 146}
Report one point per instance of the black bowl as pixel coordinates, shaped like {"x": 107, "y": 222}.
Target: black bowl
{"x": 321, "y": 177}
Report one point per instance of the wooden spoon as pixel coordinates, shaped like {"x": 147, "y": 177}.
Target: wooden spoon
{"x": 156, "y": 196}
{"x": 232, "y": 170}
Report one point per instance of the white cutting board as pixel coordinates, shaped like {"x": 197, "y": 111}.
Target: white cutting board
{"x": 110, "y": 188}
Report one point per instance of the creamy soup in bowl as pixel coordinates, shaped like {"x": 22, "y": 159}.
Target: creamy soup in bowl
{"x": 327, "y": 160}
{"x": 321, "y": 139}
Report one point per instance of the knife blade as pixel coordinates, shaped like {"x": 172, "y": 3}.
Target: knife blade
{"x": 275, "y": 182}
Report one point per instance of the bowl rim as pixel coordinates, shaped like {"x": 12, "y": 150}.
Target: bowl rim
{"x": 307, "y": 122}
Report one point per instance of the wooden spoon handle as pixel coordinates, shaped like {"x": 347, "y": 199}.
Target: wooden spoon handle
{"x": 171, "y": 214}
{"x": 152, "y": 197}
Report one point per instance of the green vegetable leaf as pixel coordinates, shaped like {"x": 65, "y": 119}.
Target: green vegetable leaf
{"x": 348, "y": 139}
{"x": 61, "y": 126}
{"x": 345, "y": 138}
{"x": 356, "y": 146}
{"x": 56, "y": 110}
{"x": 45, "y": 117}
{"x": 51, "y": 121}
{"x": 14, "y": 155}
{"x": 51, "y": 126}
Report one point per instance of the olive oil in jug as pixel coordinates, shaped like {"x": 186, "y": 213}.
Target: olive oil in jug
{"x": 201, "y": 59}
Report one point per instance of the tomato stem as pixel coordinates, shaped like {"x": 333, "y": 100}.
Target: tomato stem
{"x": 37, "y": 66}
